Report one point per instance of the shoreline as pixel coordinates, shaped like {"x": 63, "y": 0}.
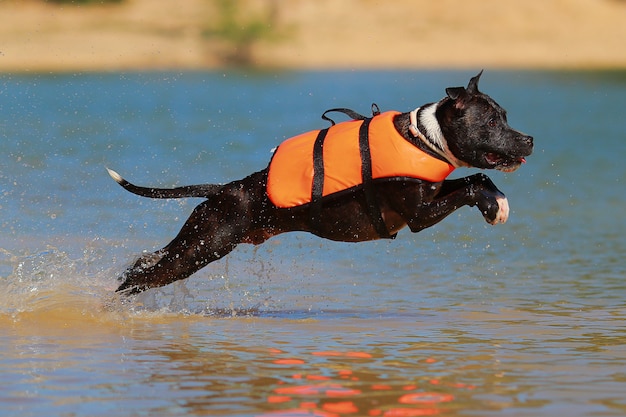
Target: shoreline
{"x": 253, "y": 71}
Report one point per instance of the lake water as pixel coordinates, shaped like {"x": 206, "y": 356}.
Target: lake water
{"x": 522, "y": 319}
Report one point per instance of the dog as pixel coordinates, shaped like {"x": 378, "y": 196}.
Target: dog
{"x": 466, "y": 128}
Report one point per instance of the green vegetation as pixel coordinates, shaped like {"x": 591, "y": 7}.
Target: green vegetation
{"x": 241, "y": 33}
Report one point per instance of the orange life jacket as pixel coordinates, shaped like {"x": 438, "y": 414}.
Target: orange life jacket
{"x": 291, "y": 177}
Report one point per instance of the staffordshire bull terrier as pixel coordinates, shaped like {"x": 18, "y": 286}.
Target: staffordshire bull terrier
{"x": 355, "y": 181}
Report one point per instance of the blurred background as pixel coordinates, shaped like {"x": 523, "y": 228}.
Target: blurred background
{"x": 77, "y": 35}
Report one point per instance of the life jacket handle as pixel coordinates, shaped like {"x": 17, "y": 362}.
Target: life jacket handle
{"x": 350, "y": 113}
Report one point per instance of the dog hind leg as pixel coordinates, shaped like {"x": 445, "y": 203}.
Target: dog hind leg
{"x": 213, "y": 230}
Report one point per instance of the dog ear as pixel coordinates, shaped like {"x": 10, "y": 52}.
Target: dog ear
{"x": 472, "y": 87}
{"x": 458, "y": 95}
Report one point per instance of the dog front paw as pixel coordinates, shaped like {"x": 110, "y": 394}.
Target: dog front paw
{"x": 494, "y": 206}
{"x": 503, "y": 210}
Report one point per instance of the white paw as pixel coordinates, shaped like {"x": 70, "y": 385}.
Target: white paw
{"x": 503, "y": 210}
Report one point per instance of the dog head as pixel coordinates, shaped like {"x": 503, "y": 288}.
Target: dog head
{"x": 476, "y": 130}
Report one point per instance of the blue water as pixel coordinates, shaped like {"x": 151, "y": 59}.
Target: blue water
{"x": 530, "y": 313}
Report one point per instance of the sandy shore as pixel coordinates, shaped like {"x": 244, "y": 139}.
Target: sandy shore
{"x": 169, "y": 34}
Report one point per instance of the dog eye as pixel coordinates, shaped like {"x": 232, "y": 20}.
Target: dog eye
{"x": 492, "y": 122}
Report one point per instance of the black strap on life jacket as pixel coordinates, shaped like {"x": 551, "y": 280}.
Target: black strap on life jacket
{"x": 373, "y": 207}
{"x": 318, "y": 179}
{"x": 371, "y": 201}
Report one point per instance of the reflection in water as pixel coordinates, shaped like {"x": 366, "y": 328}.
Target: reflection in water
{"x": 267, "y": 379}
{"x": 470, "y": 358}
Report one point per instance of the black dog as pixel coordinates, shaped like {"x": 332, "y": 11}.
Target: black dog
{"x": 465, "y": 129}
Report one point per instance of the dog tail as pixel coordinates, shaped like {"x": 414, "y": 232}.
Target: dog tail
{"x": 202, "y": 191}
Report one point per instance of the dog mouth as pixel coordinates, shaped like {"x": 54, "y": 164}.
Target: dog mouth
{"x": 503, "y": 162}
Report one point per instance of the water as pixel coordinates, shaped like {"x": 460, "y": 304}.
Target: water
{"x": 526, "y": 318}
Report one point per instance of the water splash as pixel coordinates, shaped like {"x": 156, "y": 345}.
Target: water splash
{"x": 52, "y": 280}
{"x": 56, "y": 283}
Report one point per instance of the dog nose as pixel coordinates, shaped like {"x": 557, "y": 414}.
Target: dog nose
{"x": 528, "y": 140}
